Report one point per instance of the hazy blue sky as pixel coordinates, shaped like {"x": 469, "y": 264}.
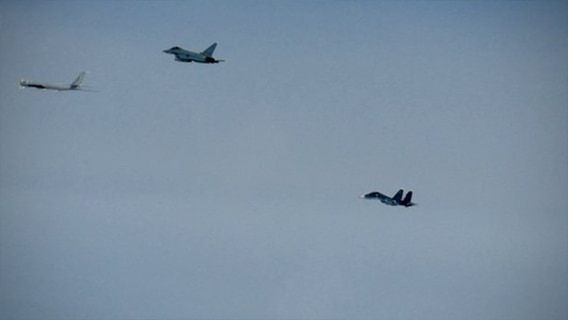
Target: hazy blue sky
{"x": 230, "y": 191}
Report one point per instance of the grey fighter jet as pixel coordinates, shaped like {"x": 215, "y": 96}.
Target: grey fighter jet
{"x": 183, "y": 55}
{"x": 396, "y": 200}
{"x": 75, "y": 85}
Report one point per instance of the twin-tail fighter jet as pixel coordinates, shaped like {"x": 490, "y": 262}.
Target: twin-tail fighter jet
{"x": 396, "y": 200}
{"x": 205, "y": 56}
{"x": 75, "y": 85}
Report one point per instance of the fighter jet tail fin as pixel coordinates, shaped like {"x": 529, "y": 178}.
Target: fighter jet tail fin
{"x": 77, "y": 82}
{"x": 209, "y": 51}
{"x": 398, "y": 196}
{"x": 407, "y": 202}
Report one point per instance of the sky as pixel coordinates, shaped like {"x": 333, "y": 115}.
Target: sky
{"x": 231, "y": 190}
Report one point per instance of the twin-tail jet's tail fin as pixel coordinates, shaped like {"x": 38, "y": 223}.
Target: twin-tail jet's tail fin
{"x": 77, "y": 82}
{"x": 398, "y": 196}
{"x": 407, "y": 202}
{"x": 209, "y": 51}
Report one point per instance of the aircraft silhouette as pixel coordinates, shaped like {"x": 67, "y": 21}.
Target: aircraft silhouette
{"x": 396, "y": 200}
{"x": 206, "y": 56}
{"x": 75, "y": 85}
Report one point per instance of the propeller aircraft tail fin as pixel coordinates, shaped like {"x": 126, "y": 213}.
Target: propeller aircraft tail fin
{"x": 77, "y": 82}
